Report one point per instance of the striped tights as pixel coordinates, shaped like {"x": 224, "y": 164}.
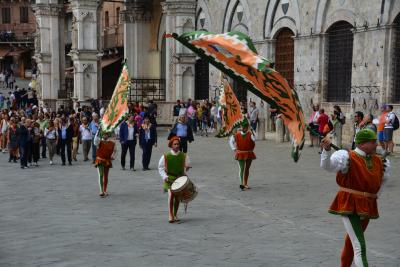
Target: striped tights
{"x": 354, "y": 246}
{"x": 103, "y": 177}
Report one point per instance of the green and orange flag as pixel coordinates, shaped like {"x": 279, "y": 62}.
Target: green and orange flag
{"x": 118, "y": 109}
{"x": 234, "y": 54}
{"x": 231, "y": 113}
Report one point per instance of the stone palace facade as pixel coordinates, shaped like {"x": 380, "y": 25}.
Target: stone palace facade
{"x": 344, "y": 52}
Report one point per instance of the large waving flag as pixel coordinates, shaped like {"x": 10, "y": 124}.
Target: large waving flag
{"x": 118, "y": 107}
{"x": 234, "y": 54}
{"x": 231, "y": 113}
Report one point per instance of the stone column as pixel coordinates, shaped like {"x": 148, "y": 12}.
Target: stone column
{"x": 136, "y": 19}
{"x": 180, "y": 18}
{"x": 85, "y": 51}
{"x": 49, "y": 50}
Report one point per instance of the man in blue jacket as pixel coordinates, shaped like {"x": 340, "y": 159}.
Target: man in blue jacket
{"x": 184, "y": 131}
{"x": 128, "y": 133}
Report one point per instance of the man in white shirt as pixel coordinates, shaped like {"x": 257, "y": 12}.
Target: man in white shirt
{"x": 388, "y": 130}
{"x": 253, "y": 115}
{"x": 86, "y": 138}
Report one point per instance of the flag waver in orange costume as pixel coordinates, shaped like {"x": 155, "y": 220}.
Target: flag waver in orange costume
{"x": 360, "y": 176}
{"x": 104, "y": 156}
{"x": 243, "y": 143}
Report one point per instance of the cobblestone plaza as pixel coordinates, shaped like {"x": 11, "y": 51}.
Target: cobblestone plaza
{"x": 53, "y": 216}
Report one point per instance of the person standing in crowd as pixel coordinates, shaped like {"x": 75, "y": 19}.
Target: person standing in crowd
{"x": 75, "y": 137}
{"x": 313, "y": 124}
{"x": 86, "y": 138}
{"x": 171, "y": 166}
{"x": 175, "y": 110}
{"x": 358, "y": 118}
{"x": 213, "y": 116}
{"x": 381, "y": 127}
{"x": 340, "y": 120}
{"x": 322, "y": 121}
{"x": 389, "y": 121}
{"x": 2, "y": 101}
{"x": 183, "y": 130}
{"x": 3, "y": 132}
{"x": 13, "y": 140}
{"x": 36, "y": 134}
{"x": 65, "y": 133}
{"x": 51, "y": 135}
{"x": 191, "y": 116}
{"x": 24, "y": 142}
{"x": 253, "y": 115}
{"x": 128, "y": 133}
{"x": 205, "y": 117}
{"x": 360, "y": 176}
{"x": 147, "y": 139}
{"x": 94, "y": 127}
{"x": 242, "y": 144}
{"x": 43, "y": 121}
{"x": 367, "y": 123}
{"x": 105, "y": 153}
{"x": 337, "y": 130}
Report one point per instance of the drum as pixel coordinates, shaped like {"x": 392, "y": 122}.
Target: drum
{"x": 184, "y": 188}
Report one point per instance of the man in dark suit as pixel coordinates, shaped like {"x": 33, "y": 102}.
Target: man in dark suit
{"x": 128, "y": 133}
{"x": 23, "y": 142}
{"x": 65, "y": 134}
{"x": 147, "y": 139}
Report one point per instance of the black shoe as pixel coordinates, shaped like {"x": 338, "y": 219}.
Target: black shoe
{"x": 70, "y": 163}
{"x": 147, "y": 169}
{"x": 241, "y": 187}
{"x": 63, "y": 164}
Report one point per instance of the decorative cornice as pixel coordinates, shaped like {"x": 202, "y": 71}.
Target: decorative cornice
{"x": 135, "y": 15}
{"x": 48, "y": 10}
{"x": 179, "y": 7}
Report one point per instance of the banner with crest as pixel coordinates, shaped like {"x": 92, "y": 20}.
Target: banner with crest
{"x": 117, "y": 109}
{"x": 229, "y": 107}
{"x": 235, "y": 55}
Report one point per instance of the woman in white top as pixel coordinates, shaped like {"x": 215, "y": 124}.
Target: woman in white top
{"x": 51, "y": 140}
{"x": 3, "y": 132}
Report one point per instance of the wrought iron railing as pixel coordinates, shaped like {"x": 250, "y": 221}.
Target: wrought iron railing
{"x": 143, "y": 90}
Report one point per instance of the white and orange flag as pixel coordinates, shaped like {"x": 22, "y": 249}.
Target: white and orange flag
{"x": 118, "y": 109}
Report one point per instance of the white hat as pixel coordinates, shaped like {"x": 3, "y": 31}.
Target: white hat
{"x": 34, "y": 106}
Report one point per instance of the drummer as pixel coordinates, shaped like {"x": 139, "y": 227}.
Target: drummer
{"x": 171, "y": 166}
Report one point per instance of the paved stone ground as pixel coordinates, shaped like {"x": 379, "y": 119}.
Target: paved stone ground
{"x": 53, "y": 216}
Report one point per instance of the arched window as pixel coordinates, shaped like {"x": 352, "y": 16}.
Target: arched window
{"x": 284, "y": 54}
{"x": 340, "y": 57}
{"x": 396, "y": 60}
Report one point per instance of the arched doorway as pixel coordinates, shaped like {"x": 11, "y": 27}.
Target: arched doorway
{"x": 201, "y": 80}
{"x": 396, "y": 60}
{"x": 340, "y": 58}
{"x": 284, "y": 54}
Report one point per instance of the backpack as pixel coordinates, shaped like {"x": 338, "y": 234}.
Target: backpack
{"x": 395, "y": 123}
{"x": 343, "y": 121}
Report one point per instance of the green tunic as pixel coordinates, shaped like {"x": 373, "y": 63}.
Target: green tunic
{"x": 174, "y": 167}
